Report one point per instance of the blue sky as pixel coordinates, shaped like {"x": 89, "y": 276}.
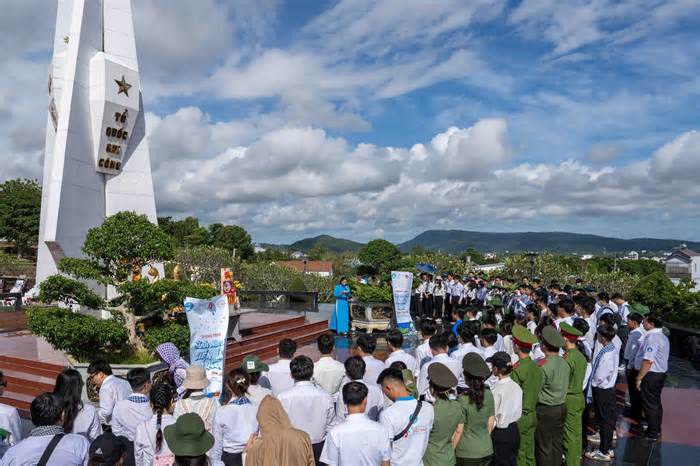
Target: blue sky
{"x": 385, "y": 118}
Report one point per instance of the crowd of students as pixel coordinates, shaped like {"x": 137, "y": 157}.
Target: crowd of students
{"x": 492, "y": 382}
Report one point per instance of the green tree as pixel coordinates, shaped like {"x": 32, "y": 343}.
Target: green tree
{"x": 378, "y": 254}
{"x": 185, "y": 232}
{"x": 204, "y": 263}
{"x": 474, "y": 256}
{"x": 318, "y": 252}
{"x": 655, "y": 291}
{"x": 231, "y": 237}
{"x": 20, "y": 208}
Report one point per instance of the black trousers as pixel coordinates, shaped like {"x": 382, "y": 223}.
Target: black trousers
{"x": 437, "y": 307}
{"x": 606, "y": 415}
{"x": 505, "y": 445}
{"x": 426, "y": 307}
{"x": 652, "y": 385}
{"x": 549, "y": 445}
{"x": 232, "y": 459}
{"x": 485, "y": 461}
{"x": 635, "y": 395}
{"x": 448, "y": 305}
{"x": 318, "y": 448}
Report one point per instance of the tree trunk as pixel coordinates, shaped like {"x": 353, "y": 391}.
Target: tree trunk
{"x": 130, "y": 321}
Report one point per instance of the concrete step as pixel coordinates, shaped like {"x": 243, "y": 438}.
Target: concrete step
{"x": 284, "y": 322}
{"x": 28, "y": 382}
{"x": 29, "y": 363}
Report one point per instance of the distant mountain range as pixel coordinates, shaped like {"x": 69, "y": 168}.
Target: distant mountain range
{"x": 457, "y": 241}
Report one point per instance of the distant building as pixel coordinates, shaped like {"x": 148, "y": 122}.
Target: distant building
{"x": 683, "y": 263}
{"x": 586, "y": 257}
{"x": 489, "y": 267}
{"x": 321, "y": 268}
{"x": 297, "y": 255}
{"x": 490, "y": 256}
{"x": 259, "y": 249}
{"x": 633, "y": 255}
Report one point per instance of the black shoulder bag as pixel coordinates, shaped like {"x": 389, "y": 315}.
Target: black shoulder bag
{"x": 412, "y": 420}
{"x": 49, "y": 450}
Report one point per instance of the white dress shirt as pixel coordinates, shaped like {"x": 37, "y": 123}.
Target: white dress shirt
{"x": 508, "y": 402}
{"x": 375, "y": 402}
{"x": 639, "y": 355}
{"x": 256, "y": 393}
{"x": 401, "y": 355}
{"x": 409, "y": 449}
{"x": 508, "y": 345}
{"x": 463, "y": 350}
{"x": 145, "y": 439}
{"x": 87, "y": 423}
{"x": 532, "y": 326}
{"x": 72, "y": 450}
{"x": 113, "y": 389}
{"x": 633, "y": 341}
{"x": 656, "y": 350}
{"x": 373, "y": 367}
{"x": 328, "y": 374}
{"x": 569, "y": 320}
{"x": 423, "y": 353}
{"x": 451, "y": 363}
{"x": 605, "y": 375}
{"x": 129, "y": 413}
{"x": 233, "y": 425}
{"x": 358, "y": 441}
{"x": 623, "y": 310}
{"x": 10, "y": 421}
{"x": 280, "y": 376}
{"x": 309, "y": 409}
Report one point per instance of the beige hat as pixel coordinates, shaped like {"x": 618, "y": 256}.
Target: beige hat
{"x": 195, "y": 378}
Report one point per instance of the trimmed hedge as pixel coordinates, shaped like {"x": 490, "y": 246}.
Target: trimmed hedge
{"x": 173, "y": 332}
{"x": 81, "y": 336}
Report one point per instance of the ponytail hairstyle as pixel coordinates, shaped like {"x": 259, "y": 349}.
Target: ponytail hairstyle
{"x": 161, "y": 396}
{"x": 237, "y": 383}
{"x": 475, "y": 390}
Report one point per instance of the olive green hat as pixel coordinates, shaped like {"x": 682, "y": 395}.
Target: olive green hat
{"x": 496, "y": 302}
{"x": 253, "y": 364}
{"x": 552, "y": 337}
{"x": 473, "y": 364}
{"x": 569, "y": 332}
{"x": 188, "y": 436}
{"x": 440, "y": 375}
{"x": 522, "y": 337}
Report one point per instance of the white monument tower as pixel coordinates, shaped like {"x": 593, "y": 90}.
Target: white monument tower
{"x": 97, "y": 160}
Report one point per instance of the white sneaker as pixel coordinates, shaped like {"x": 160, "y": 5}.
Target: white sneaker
{"x": 598, "y": 455}
{"x": 611, "y": 453}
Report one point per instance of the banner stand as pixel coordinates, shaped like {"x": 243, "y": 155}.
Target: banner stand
{"x": 402, "y": 287}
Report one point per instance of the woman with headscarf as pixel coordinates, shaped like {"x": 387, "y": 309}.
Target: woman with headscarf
{"x": 169, "y": 354}
{"x": 279, "y": 443}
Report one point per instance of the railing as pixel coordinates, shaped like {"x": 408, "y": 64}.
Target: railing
{"x": 306, "y": 301}
{"x": 8, "y": 297}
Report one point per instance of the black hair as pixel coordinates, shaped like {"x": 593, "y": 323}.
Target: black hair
{"x": 138, "y": 377}
{"x": 635, "y": 316}
{"x": 470, "y": 310}
{"x": 544, "y": 321}
{"x": 607, "y": 319}
{"x": 428, "y": 327}
{"x": 355, "y": 367}
{"x": 534, "y": 310}
{"x": 442, "y": 393}
{"x": 567, "y": 305}
{"x": 302, "y": 368}
{"x": 46, "y": 409}
{"x": 395, "y": 338}
{"x": 354, "y": 393}
{"x": 161, "y": 397}
{"x": 201, "y": 460}
{"x": 325, "y": 343}
{"x": 99, "y": 366}
{"x": 468, "y": 330}
{"x": 287, "y": 348}
{"x": 254, "y": 377}
{"x": 507, "y": 327}
{"x": 438, "y": 341}
{"x": 585, "y": 302}
{"x": 607, "y": 331}
{"x": 655, "y": 321}
{"x": 237, "y": 383}
{"x": 341, "y": 279}
{"x": 475, "y": 390}
{"x": 604, "y": 296}
{"x": 488, "y": 319}
{"x": 69, "y": 386}
{"x": 390, "y": 374}
{"x": 582, "y": 326}
{"x": 490, "y": 335}
{"x": 616, "y": 296}
{"x": 400, "y": 365}
{"x": 459, "y": 311}
{"x": 367, "y": 343}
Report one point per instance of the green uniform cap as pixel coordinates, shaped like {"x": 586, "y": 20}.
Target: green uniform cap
{"x": 569, "y": 329}
{"x": 252, "y": 364}
{"x": 496, "y": 301}
{"x": 523, "y": 337}
{"x": 552, "y": 337}
{"x": 440, "y": 375}
{"x": 474, "y": 364}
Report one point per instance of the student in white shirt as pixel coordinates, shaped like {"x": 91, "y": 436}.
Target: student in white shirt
{"x": 255, "y": 368}
{"x": 438, "y": 346}
{"x": 366, "y": 345}
{"x": 135, "y": 409}
{"x": 47, "y": 412}
{"x": 468, "y": 332}
{"x": 235, "y": 422}
{"x": 489, "y": 322}
{"x": 652, "y": 374}
{"x": 565, "y": 311}
{"x": 623, "y": 307}
{"x": 409, "y": 431}
{"x": 195, "y": 400}
{"x": 355, "y": 371}
{"x": 585, "y": 308}
{"x": 488, "y": 339}
{"x": 427, "y": 330}
{"x": 394, "y": 340}
{"x": 309, "y": 407}
{"x": 358, "y": 441}
{"x": 532, "y": 316}
{"x": 279, "y": 376}
{"x": 9, "y": 421}
{"x": 149, "y": 445}
{"x": 602, "y": 391}
{"x": 508, "y": 407}
{"x": 112, "y": 388}
{"x": 328, "y": 373}
{"x": 78, "y": 417}
{"x": 634, "y": 340}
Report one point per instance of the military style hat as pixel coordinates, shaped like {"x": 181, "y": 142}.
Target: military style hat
{"x": 569, "y": 332}
{"x": 474, "y": 364}
{"x": 552, "y": 337}
{"x": 441, "y": 376}
{"x": 522, "y": 337}
{"x": 496, "y": 302}
{"x": 252, "y": 364}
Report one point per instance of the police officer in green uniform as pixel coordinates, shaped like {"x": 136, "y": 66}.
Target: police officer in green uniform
{"x": 551, "y": 410}
{"x": 575, "y": 402}
{"x": 528, "y": 375}
{"x": 448, "y": 417}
